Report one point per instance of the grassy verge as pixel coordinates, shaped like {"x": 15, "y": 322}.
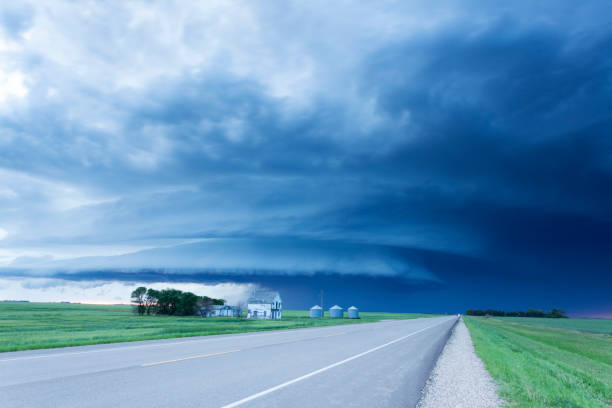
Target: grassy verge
{"x": 26, "y": 326}
{"x": 603, "y": 326}
{"x": 537, "y": 366}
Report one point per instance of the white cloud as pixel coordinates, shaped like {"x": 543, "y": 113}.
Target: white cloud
{"x": 54, "y": 194}
{"x": 7, "y": 193}
{"x": 3, "y": 233}
{"x": 12, "y": 85}
{"x": 107, "y": 292}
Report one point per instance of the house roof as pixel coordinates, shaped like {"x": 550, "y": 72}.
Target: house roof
{"x": 220, "y": 307}
{"x": 263, "y": 296}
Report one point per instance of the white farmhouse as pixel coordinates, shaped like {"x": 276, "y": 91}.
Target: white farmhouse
{"x": 264, "y": 304}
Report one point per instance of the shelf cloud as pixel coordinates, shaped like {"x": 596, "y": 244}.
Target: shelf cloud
{"x": 378, "y": 140}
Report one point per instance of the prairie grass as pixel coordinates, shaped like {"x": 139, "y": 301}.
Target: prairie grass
{"x": 603, "y": 326}
{"x": 26, "y": 326}
{"x": 538, "y": 366}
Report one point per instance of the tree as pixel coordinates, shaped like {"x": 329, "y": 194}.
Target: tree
{"x": 554, "y": 313}
{"x": 535, "y": 313}
{"x": 557, "y": 313}
{"x": 171, "y": 302}
{"x": 214, "y": 301}
{"x": 513, "y": 314}
{"x": 138, "y": 298}
{"x": 168, "y": 301}
{"x": 472, "y": 312}
{"x": 492, "y": 312}
{"x": 187, "y": 304}
{"x": 205, "y": 306}
{"x": 151, "y": 301}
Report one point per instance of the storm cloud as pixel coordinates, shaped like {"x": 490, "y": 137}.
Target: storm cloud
{"x": 466, "y": 146}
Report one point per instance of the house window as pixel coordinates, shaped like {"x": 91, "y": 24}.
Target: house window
{"x": 265, "y": 313}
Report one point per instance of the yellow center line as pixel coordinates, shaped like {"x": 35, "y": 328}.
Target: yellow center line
{"x": 189, "y": 358}
{"x": 214, "y": 354}
{"x": 332, "y": 335}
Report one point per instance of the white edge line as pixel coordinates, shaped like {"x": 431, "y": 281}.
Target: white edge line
{"x": 320, "y": 370}
{"x": 167, "y": 343}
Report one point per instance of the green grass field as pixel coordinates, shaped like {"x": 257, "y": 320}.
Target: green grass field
{"x": 26, "y": 326}
{"x": 539, "y": 366}
{"x": 603, "y": 326}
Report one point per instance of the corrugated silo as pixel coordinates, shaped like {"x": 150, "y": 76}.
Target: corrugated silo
{"x": 353, "y": 312}
{"x": 316, "y": 311}
{"x": 336, "y": 312}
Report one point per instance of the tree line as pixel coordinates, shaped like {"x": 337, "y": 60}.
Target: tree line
{"x": 170, "y": 302}
{"x": 554, "y": 313}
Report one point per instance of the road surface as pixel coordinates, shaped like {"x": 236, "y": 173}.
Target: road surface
{"x": 382, "y": 364}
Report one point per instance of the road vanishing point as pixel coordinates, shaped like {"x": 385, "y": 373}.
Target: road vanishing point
{"x": 384, "y": 364}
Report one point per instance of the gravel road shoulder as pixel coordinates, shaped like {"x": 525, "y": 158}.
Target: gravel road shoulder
{"x": 459, "y": 379}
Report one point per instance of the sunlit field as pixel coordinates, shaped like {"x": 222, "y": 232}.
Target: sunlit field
{"x": 43, "y": 325}
{"x": 540, "y": 366}
{"x": 603, "y": 326}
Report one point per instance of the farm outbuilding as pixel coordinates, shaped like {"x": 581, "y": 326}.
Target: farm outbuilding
{"x": 316, "y": 311}
{"x": 353, "y": 312}
{"x": 264, "y": 304}
{"x": 336, "y": 312}
{"x": 219, "y": 311}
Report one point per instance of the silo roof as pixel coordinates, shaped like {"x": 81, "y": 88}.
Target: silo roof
{"x": 315, "y": 307}
{"x": 335, "y": 307}
{"x": 352, "y": 308}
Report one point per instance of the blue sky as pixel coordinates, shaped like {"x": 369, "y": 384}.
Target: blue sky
{"x": 445, "y": 149}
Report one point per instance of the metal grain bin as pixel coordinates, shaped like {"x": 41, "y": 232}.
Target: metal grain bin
{"x": 316, "y": 311}
{"x": 353, "y": 312}
{"x": 336, "y": 312}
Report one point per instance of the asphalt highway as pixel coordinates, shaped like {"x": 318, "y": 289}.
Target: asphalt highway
{"x": 383, "y": 364}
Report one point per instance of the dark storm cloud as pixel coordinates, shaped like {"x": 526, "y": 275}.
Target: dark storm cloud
{"x": 241, "y": 256}
{"x": 479, "y": 134}
{"x": 509, "y": 133}
{"x": 478, "y": 103}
